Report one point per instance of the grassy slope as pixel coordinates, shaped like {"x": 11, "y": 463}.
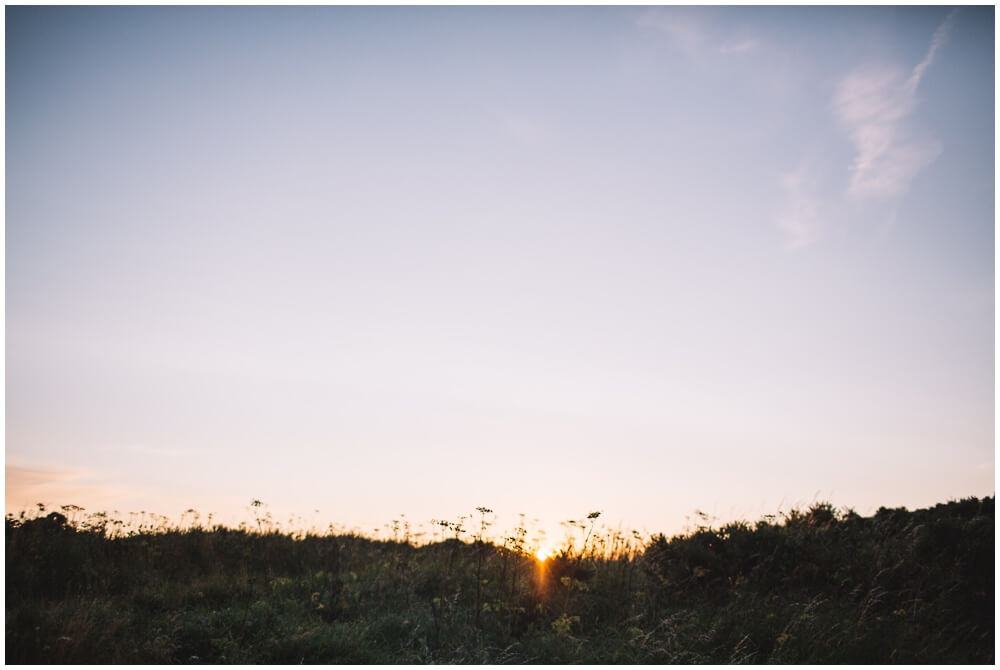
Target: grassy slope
{"x": 817, "y": 587}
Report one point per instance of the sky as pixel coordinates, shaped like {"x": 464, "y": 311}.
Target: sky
{"x": 365, "y": 262}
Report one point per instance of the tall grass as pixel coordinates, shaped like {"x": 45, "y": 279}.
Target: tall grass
{"x": 816, "y": 586}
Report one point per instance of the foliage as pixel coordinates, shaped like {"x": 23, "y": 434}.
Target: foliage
{"x": 819, "y": 586}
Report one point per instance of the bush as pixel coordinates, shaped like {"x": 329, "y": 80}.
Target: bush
{"x": 817, "y": 586}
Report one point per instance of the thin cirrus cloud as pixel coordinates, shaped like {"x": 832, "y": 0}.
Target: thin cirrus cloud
{"x": 26, "y": 486}
{"x": 739, "y": 47}
{"x": 684, "y": 30}
{"x": 689, "y": 32}
{"x": 800, "y": 219}
{"x": 873, "y": 105}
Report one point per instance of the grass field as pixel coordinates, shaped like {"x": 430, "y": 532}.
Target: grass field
{"x": 813, "y": 586}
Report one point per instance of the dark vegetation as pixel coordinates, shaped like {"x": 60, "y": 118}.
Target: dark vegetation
{"x": 819, "y": 586}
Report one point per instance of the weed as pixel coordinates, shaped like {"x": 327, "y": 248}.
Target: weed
{"x": 812, "y": 586}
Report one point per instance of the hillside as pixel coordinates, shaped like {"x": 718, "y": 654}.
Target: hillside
{"x": 814, "y": 586}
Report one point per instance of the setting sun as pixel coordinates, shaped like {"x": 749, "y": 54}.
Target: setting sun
{"x": 543, "y": 553}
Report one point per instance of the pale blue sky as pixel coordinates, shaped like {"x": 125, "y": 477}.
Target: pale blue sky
{"x": 382, "y": 260}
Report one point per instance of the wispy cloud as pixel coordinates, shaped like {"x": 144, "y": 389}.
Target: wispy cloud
{"x": 685, "y": 29}
{"x": 800, "y": 220}
{"x": 523, "y": 128}
{"x": 739, "y": 47}
{"x": 26, "y": 486}
{"x": 937, "y": 40}
{"x": 873, "y": 105}
{"x": 690, "y": 31}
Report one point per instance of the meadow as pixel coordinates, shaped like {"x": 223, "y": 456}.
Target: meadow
{"x": 819, "y": 585}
